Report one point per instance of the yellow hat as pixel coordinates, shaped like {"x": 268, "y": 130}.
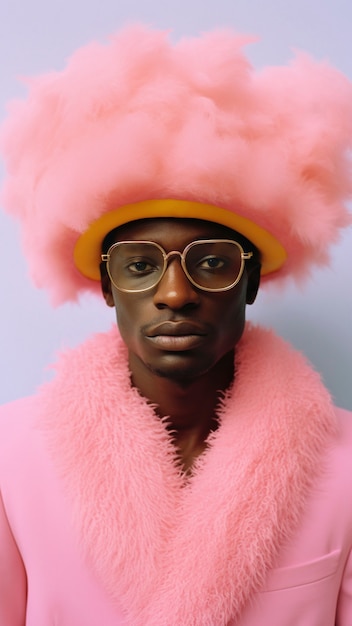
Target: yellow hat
{"x": 88, "y": 247}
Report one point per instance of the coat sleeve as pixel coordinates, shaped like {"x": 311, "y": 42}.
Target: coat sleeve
{"x": 12, "y": 577}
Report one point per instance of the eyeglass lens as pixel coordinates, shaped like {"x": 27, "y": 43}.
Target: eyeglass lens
{"x": 210, "y": 265}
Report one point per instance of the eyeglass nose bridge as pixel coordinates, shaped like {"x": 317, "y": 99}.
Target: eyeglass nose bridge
{"x": 168, "y": 256}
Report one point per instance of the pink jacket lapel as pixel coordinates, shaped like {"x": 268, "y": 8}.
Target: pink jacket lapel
{"x": 170, "y": 551}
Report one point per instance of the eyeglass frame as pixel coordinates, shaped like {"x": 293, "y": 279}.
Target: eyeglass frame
{"x": 245, "y": 256}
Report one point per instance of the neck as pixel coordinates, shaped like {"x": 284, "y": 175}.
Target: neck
{"x": 189, "y": 409}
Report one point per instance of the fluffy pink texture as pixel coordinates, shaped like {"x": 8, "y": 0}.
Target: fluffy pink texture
{"x": 139, "y": 118}
{"x": 173, "y": 550}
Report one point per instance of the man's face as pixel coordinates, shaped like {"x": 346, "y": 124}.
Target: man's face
{"x": 176, "y": 330}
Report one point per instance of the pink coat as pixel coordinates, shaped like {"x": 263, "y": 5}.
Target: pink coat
{"x": 99, "y": 528}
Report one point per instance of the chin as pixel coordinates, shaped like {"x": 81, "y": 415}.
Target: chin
{"x": 183, "y": 372}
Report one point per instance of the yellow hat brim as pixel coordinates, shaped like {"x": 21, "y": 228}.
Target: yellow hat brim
{"x": 88, "y": 247}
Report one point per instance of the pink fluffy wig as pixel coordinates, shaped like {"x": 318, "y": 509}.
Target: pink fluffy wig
{"x": 139, "y": 118}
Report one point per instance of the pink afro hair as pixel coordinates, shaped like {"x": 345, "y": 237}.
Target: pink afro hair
{"x": 139, "y": 118}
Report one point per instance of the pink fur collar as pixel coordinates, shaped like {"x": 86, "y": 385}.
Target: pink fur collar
{"x": 168, "y": 551}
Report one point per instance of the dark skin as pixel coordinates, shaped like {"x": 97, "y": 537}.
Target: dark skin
{"x": 182, "y": 340}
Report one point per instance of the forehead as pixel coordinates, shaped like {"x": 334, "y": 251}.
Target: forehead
{"x": 167, "y": 231}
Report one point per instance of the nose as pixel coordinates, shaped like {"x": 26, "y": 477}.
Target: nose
{"x": 175, "y": 291}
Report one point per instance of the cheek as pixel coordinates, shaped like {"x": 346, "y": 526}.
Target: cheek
{"x": 129, "y": 317}
{"x": 124, "y": 318}
{"x": 231, "y": 319}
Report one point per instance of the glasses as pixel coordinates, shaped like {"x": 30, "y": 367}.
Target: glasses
{"x": 209, "y": 264}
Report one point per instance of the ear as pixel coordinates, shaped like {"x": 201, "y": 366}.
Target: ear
{"x": 253, "y": 273}
{"x": 106, "y": 285}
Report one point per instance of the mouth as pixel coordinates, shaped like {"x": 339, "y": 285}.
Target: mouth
{"x": 177, "y": 336}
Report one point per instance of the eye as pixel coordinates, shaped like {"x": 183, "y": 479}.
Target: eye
{"x": 140, "y": 266}
{"x": 211, "y": 262}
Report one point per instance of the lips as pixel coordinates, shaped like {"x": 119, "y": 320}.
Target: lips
{"x": 177, "y": 336}
{"x": 176, "y": 329}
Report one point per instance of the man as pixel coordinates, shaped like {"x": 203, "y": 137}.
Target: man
{"x": 186, "y": 469}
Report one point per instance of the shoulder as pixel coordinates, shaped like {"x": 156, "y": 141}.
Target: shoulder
{"x": 344, "y": 417}
{"x": 334, "y": 488}
{"x": 341, "y": 451}
{"x": 16, "y": 412}
{"x": 16, "y": 423}
{"x": 72, "y": 368}
{"x": 343, "y": 440}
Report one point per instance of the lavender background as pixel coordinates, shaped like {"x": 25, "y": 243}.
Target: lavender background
{"x": 37, "y": 36}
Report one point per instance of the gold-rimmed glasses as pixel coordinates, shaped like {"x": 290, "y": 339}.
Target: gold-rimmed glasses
{"x": 209, "y": 264}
